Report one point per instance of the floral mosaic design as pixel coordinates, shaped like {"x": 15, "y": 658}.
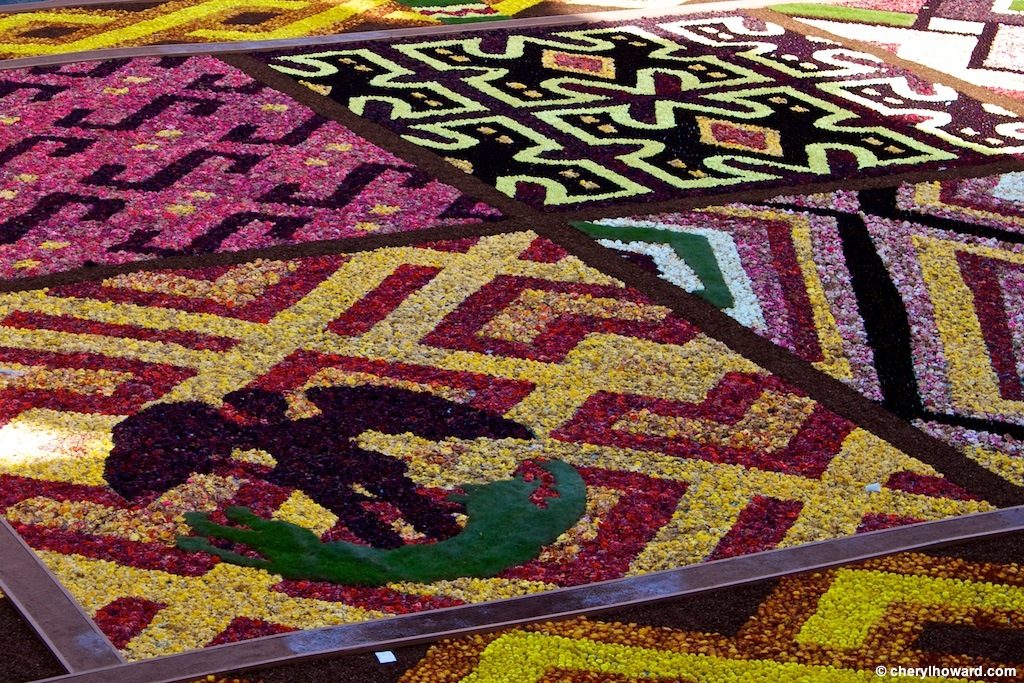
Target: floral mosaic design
{"x": 909, "y": 610}
{"x": 606, "y": 114}
{"x": 128, "y": 160}
{"x": 781, "y": 273}
{"x": 909, "y": 294}
{"x": 80, "y": 29}
{"x": 688, "y": 451}
{"x": 979, "y": 41}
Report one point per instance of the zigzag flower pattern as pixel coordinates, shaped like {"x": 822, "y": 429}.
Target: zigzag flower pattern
{"x": 64, "y": 30}
{"x": 608, "y": 114}
{"x": 77, "y": 29}
{"x": 127, "y": 160}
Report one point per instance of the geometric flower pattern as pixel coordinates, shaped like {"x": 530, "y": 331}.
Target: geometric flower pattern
{"x": 653, "y": 110}
{"x": 923, "y": 284}
{"x": 689, "y": 450}
{"x": 981, "y": 42}
{"x": 59, "y": 30}
{"x": 125, "y": 160}
{"x": 71, "y": 29}
{"x": 779, "y": 273}
{"x": 908, "y": 610}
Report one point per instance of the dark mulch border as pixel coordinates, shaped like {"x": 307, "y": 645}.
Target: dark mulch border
{"x": 23, "y": 657}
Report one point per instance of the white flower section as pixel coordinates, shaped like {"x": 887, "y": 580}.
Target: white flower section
{"x": 1003, "y": 7}
{"x": 746, "y": 310}
{"x": 947, "y": 52}
{"x": 1010, "y": 187}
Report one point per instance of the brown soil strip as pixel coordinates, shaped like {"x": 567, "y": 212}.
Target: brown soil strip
{"x": 281, "y": 252}
{"x": 424, "y": 627}
{"x": 359, "y": 668}
{"x": 1004, "y": 645}
{"x": 49, "y": 609}
{"x": 24, "y": 656}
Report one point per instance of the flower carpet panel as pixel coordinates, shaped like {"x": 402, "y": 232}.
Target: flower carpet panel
{"x": 910, "y": 294}
{"x": 655, "y": 110}
{"x": 71, "y": 29}
{"x": 208, "y": 455}
{"x": 120, "y": 161}
{"x": 909, "y": 610}
{"x": 980, "y": 41}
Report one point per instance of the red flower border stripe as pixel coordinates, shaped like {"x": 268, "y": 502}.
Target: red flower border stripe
{"x": 494, "y": 394}
{"x": 461, "y": 329}
{"x": 761, "y": 526}
{"x": 63, "y": 323}
{"x": 375, "y": 306}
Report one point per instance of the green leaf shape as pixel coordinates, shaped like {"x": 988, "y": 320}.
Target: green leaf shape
{"x": 809, "y": 10}
{"x": 695, "y": 250}
{"x": 504, "y": 529}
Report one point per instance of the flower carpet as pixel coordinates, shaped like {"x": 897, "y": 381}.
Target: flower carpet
{"x": 72, "y": 29}
{"x": 906, "y": 293}
{"x": 185, "y": 156}
{"x": 605, "y": 115}
{"x": 68, "y": 28}
{"x": 697, "y": 451}
{"x": 316, "y": 336}
{"x": 981, "y": 41}
{"x": 911, "y": 610}
{"x": 954, "y": 607}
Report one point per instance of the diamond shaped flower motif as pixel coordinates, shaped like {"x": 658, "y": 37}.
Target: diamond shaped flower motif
{"x": 590, "y": 65}
{"x": 740, "y": 136}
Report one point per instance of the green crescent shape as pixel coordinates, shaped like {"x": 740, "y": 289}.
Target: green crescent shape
{"x": 504, "y": 529}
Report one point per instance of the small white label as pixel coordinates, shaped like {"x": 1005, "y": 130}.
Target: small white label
{"x": 386, "y": 657}
{"x": 875, "y": 487}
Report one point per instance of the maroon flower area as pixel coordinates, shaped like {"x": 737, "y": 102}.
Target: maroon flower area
{"x": 163, "y": 445}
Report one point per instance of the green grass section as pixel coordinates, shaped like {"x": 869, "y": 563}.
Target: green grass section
{"x": 473, "y": 20}
{"x": 810, "y": 10}
{"x": 504, "y": 529}
{"x": 416, "y": 4}
{"x": 695, "y": 250}
{"x": 1017, "y": 5}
